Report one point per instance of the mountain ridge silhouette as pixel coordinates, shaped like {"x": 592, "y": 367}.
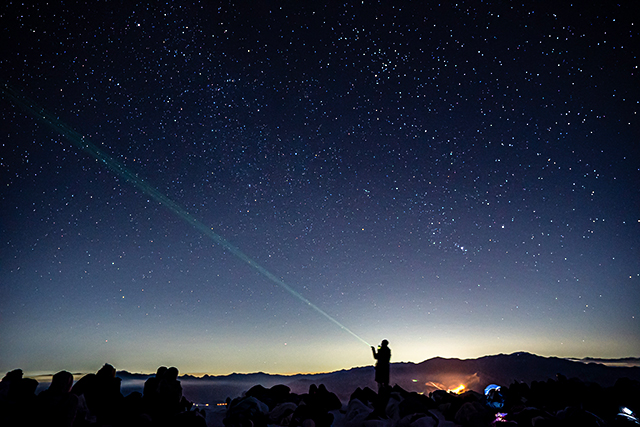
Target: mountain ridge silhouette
{"x": 424, "y": 377}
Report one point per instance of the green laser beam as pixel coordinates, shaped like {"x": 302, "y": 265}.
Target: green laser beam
{"x": 120, "y": 169}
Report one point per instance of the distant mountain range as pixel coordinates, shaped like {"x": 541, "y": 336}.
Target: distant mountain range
{"x": 432, "y": 374}
{"x": 627, "y": 361}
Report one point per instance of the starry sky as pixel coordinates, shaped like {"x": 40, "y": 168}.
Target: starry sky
{"x": 298, "y": 180}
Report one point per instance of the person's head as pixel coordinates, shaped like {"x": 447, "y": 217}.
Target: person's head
{"x": 15, "y": 375}
{"x": 107, "y": 371}
{"x": 171, "y": 374}
{"x": 384, "y": 343}
{"x": 161, "y": 371}
{"x": 62, "y": 381}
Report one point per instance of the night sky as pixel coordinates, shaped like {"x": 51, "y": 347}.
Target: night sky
{"x": 460, "y": 179}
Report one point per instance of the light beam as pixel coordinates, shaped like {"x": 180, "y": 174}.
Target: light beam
{"x": 120, "y": 169}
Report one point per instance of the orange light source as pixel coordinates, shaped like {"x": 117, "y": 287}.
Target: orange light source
{"x": 457, "y": 390}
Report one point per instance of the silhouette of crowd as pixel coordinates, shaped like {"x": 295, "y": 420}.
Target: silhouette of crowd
{"x": 96, "y": 400}
{"x": 260, "y": 407}
{"x": 555, "y": 403}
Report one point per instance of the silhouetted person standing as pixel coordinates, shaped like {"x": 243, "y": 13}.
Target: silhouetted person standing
{"x": 382, "y": 356}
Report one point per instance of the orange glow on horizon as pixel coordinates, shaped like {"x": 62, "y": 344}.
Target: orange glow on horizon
{"x": 458, "y": 389}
